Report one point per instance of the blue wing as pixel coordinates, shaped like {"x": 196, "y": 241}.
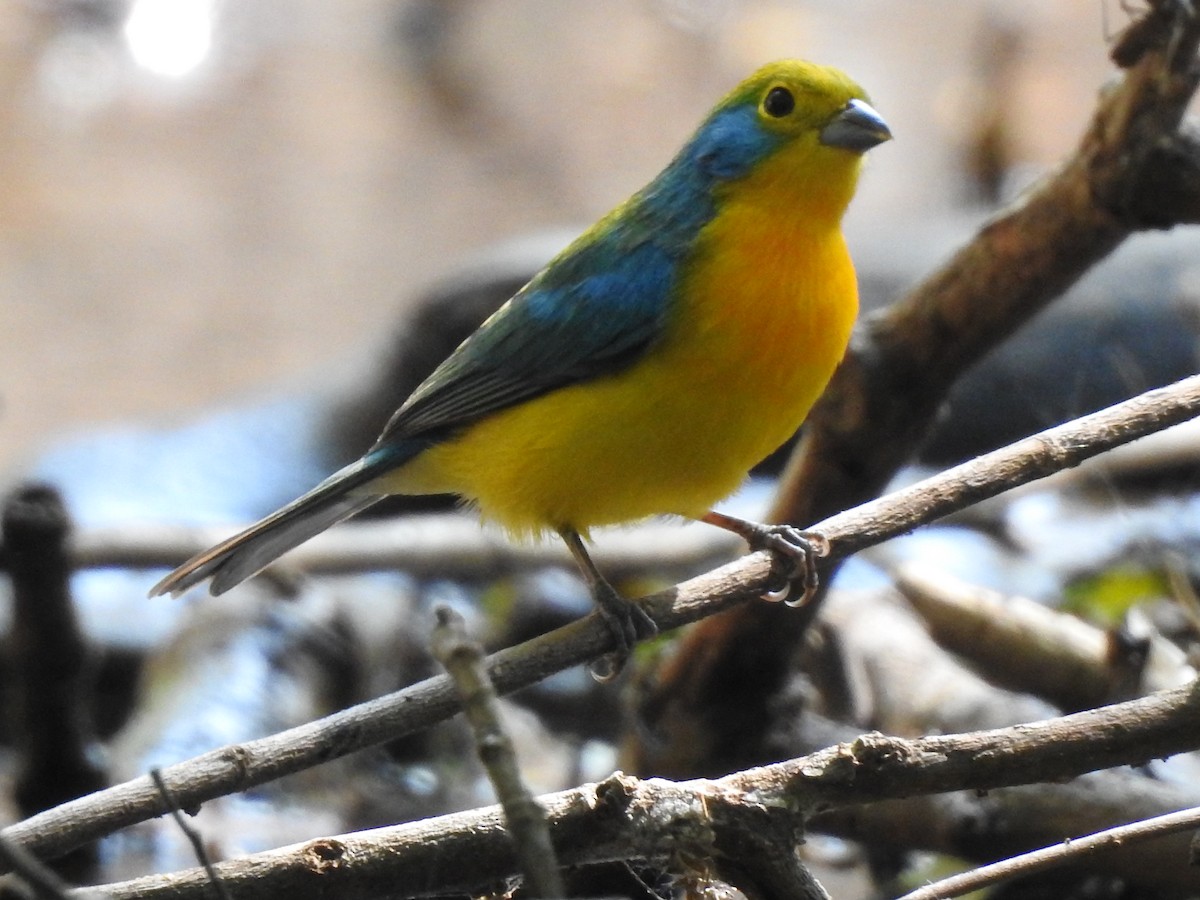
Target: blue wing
{"x": 593, "y": 311}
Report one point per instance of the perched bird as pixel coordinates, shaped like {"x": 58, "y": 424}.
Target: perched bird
{"x": 648, "y": 366}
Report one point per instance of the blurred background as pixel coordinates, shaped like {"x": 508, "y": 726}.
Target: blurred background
{"x": 233, "y": 235}
{"x": 203, "y": 200}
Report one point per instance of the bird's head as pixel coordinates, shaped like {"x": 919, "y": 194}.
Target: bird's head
{"x": 794, "y": 124}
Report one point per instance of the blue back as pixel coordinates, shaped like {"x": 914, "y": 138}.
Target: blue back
{"x": 596, "y": 308}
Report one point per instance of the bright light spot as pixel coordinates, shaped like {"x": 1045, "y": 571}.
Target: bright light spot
{"x": 170, "y": 37}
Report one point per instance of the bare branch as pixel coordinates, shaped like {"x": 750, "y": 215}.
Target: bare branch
{"x": 447, "y": 545}
{"x": 49, "y": 656}
{"x": 45, "y": 884}
{"x": 627, "y": 818}
{"x": 238, "y": 767}
{"x": 463, "y": 659}
{"x": 1057, "y": 855}
{"x": 192, "y": 835}
{"x": 1028, "y": 646}
{"x": 993, "y": 825}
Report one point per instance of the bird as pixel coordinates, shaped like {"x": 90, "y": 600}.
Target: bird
{"x": 649, "y": 365}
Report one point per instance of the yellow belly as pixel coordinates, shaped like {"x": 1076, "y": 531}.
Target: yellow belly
{"x": 750, "y": 348}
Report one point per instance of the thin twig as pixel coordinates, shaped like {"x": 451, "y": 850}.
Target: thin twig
{"x": 242, "y": 766}
{"x": 1057, "y": 855}
{"x": 463, "y": 660}
{"x": 42, "y": 880}
{"x": 193, "y": 836}
{"x": 445, "y": 545}
{"x": 983, "y": 826}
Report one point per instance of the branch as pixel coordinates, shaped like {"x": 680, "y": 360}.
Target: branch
{"x": 626, "y": 818}
{"x": 1057, "y": 855}
{"x": 986, "y": 827}
{"x": 51, "y": 676}
{"x": 1027, "y": 646}
{"x": 42, "y": 881}
{"x": 463, "y": 660}
{"x": 242, "y": 766}
{"x": 446, "y": 545}
{"x": 193, "y": 837}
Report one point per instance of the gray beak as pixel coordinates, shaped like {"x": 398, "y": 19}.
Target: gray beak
{"x": 857, "y": 127}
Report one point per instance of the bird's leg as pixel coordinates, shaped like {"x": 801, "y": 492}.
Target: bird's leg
{"x": 801, "y": 548}
{"x": 627, "y": 621}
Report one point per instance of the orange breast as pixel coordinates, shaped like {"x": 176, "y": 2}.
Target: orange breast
{"x": 761, "y": 321}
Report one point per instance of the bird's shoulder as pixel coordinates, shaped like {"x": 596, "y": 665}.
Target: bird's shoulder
{"x": 592, "y": 311}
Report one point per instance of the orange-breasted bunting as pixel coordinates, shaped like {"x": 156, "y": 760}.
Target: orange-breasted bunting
{"x": 648, "y": 366}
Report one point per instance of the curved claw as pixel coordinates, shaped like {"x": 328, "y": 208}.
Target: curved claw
{"x": 606, "y": 668}
{"x": 627, "y": 621}
{"x": 802, "y": 549}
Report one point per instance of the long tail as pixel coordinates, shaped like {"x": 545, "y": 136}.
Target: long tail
{"x": 231, "y": 562}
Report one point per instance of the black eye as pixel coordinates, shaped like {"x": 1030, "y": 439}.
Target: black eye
{"x": 778, "y": 102}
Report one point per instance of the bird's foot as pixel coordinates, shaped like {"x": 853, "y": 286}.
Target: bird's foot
{"x": 627, "y": 621}
{"x": 801, "y": 549}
